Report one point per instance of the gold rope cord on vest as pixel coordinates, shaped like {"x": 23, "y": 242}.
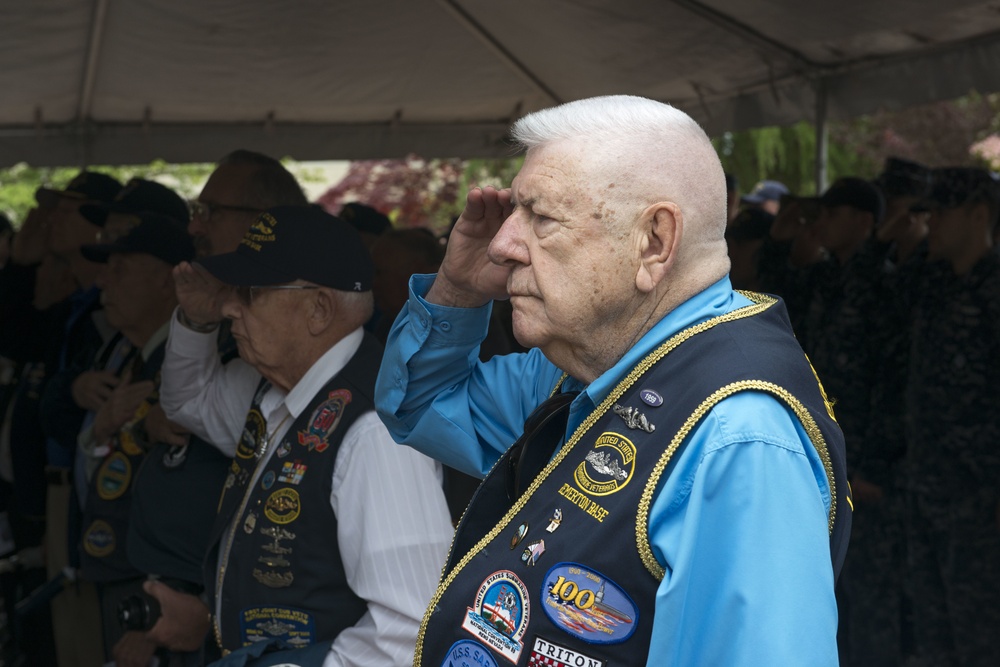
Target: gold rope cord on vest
{"x": 808, "y": 423}
{"x": 761, "y": 303}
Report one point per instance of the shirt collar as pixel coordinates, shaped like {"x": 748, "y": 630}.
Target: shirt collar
{"x": 155, "y": 340}
{"x": 331, "y": 363}
{"x": 717, "y": 299}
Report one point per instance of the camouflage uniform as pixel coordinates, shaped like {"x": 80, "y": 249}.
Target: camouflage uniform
{"x": 874, "y": 573}
{"x": 953, "y": 465}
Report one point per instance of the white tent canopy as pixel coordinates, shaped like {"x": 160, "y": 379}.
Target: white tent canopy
{"x": 116, "y": 81}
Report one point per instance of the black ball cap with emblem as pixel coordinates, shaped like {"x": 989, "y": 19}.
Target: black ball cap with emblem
{"x": 289, "y": 243}
{"x": 85, "y": 186}
{"x": 139, "y": 195}
{"x": 156, "y": 234}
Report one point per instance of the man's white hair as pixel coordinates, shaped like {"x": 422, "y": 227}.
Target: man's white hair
{"x": 648, "y": 152}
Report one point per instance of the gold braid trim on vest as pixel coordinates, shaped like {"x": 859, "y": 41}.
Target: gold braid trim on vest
{"x": 761, "y": 302}
{"x": 808, "y": 423}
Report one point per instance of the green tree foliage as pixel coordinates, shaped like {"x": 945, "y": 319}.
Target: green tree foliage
{"x": 18, "y": 183}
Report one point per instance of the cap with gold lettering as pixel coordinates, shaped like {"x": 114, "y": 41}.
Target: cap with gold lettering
{"x": 289, "y": 243}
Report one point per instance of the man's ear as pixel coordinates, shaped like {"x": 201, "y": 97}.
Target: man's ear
{"x": 322, "y": 310}
{"x": 661, "y": 226}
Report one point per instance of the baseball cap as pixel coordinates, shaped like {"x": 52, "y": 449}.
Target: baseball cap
{"x": 288, "y": 243}
{"x": 856, "y": 193}
{"x": 765, "y": 191}
{"x": 750, "y": 225}
{"x": 953, "y": 187}
{"x": 85, "y": 186}
{"x": 365, "y": 218}
{"x": 903, "y": 178}
{"x": 156, "y": 234}
{"x": 138, "y": 195}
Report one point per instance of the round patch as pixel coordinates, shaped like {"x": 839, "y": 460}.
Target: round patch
{"x": 650, "y": 397}
{"x": 282, "y": 506}
{"x": 499, "y": 615}
{"x": 467, "y": 653}
{"x": 253, "y": 432}
{"x": 608, "y": 466}
{"x": 586, "y": 604}
{"x": 113, "y": 476}
{"x": 267, "y": 481}
{"x": 99, "y": 540}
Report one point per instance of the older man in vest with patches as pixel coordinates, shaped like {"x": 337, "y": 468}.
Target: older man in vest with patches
{"x": 675, "y": 490}
{"x": 328, "y": 538}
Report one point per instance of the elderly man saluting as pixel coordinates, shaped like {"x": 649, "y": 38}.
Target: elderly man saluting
{"x": 676, "y": 491}
{"x": 328, "y": 535}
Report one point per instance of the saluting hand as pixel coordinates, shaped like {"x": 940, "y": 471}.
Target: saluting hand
{"x": 467, "y": 278}
{"x": 199, "y": 294}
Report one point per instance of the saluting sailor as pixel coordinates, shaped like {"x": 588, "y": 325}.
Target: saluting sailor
{"x": 673, "y": 446}
{"x": 329, "y": 537}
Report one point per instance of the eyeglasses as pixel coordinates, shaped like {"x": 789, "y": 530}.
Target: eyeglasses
{"x": 245, "y": 293}
{"x": 203, "y": 210}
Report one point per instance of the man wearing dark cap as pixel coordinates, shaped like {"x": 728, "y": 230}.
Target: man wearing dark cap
{"x": 58, "y": 221}
{"x": 952, "y": 427}
{"x": 139, "y": 296}
{"x": 766, "y": 195}
{"x": 327, "y": 536}
{"x": 370, "y": 223}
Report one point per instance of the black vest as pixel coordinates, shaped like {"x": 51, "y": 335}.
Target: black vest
{"x": 549, "y": 575}
{"x": 104, "y": 556}
{"x": 284, "y": 578}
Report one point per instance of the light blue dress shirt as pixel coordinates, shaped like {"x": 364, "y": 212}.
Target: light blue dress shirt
{"x": 739, "y": 524}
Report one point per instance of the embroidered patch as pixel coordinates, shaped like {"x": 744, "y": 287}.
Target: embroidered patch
{"x": 282, "y": 506}
{"x": 586, "y": 604}
{"x": 267, "y": 480}
{"x": 261, "y": 624}
{"x": 324, "y": 421}
{"x": 114, "y": 476}
{"x": 291, "y": 473}
{"x": 467, "y": 653}
{"x": 253, "y": 433}
{"x": 608, "y": 466}
{"x": 519, "y": 534}
{"x": 580, "y": 499}
{"x": 499, "y": 616}
{"x": 549, "y": 654}
{"x": 99, "y": 540}
{"x": 651, "y": 398}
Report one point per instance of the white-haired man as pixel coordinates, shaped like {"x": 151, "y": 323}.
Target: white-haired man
{"x": 676, "y": 491}
{"x": 328, "y": 537}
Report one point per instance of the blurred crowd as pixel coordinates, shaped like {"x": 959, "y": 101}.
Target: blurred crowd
{"x": 893, "y": 289}
{"x": 98, "y": 489}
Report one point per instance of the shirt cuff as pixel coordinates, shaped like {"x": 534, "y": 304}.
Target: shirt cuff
{"x": 445, "y": 325}
{"x": 189, "y": 343}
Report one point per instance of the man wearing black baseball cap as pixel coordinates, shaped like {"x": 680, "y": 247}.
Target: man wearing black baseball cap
{"x": 118, "y": 216}
{"x": 328, "y": 536}
{"x": 139, "y": 297}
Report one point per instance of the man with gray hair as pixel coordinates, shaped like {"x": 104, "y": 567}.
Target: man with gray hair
{"x": 675, "y": 489}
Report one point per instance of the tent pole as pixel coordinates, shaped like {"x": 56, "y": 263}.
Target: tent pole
{"x": 822, "y": 137}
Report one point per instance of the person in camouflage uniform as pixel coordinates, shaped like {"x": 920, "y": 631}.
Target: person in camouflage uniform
{"x": 874, "y": 574}
{"x": 952, "y": 428}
